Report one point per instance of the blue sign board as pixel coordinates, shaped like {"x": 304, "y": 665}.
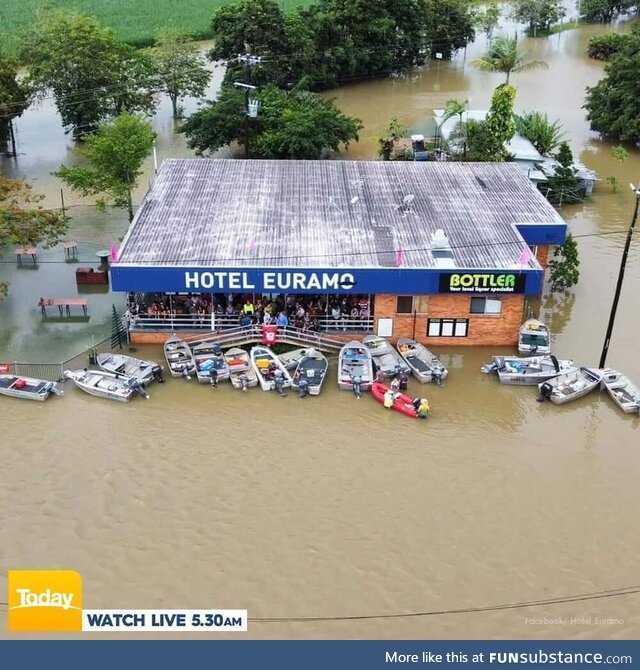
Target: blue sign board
{"x": 396, "y": 281}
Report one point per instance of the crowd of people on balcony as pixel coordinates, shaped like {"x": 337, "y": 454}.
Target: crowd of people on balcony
{"x": 304, "y": 312}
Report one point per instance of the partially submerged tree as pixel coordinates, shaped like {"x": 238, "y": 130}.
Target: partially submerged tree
{"x": 180, "y": 69}
{"x": 393, "y": 132}
{"x": 563, "y": 187}
{"x": 503, "y": 56}
{"x": 15, "y": 97}
{"x": 487, "y": 20}
{"x": 613, "y": 104}
{"x": 564, "y": 265}
{"x": 449, "y": 26}
{"x": 538, "y": 15}
{"x": 24, "y": 222}
{"x": 542, "y": 133}
{"x": 603, "y": 47}
{"x": 298, "y": 124}
{"x": 93, "y": 76}
{"x": 602, "y": 11}
{"x": 115, "y": 155}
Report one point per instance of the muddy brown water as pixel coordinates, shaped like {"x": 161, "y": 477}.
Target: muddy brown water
{"x": 331, "y": 506}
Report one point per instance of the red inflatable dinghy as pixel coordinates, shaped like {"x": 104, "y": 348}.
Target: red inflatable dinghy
{"x": 402, "y": 403}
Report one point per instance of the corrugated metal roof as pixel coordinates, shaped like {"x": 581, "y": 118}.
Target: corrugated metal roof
{"x": 262, "y": 213}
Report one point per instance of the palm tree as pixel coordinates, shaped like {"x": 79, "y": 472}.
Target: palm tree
{"x": 503, "y": 56}
{"x": 454, "y": 108}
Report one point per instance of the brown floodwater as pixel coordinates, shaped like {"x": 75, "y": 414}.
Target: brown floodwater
{"x": 330, "y": 506}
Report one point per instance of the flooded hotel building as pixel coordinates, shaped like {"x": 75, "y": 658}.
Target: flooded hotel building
{"x": 443, "y": 252}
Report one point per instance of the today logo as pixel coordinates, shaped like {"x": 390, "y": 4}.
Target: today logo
{"x": 44, "y": 601}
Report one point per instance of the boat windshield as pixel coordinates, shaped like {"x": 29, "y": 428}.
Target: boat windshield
{"x": 534, "y": 339}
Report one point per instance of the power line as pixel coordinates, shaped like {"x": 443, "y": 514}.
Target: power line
{"x": 558, "y": 600}
{"x": 257, "y": 260}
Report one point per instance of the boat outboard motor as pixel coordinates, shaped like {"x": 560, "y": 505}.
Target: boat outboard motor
{"x": 138, "y": 388}
{"x": 157, "y": 374}
{"x": 436, "y": 376}
{"x": 380, "y": 376}
{"x": 185, "y": 373}
{"x": 545, "y": 392}
{"x": 213, "y": 377}
{"x": 403, "y": 377}
{"x": 357, "y": 386}
{"x": 303, "y": 388}
{"x": 278, "y": 382}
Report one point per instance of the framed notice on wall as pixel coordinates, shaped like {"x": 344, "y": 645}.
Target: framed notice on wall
{"x": 385, "y": 327}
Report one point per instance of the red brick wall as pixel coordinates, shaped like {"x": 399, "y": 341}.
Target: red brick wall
{"x": 542, "y": 255}
{"x": 484, "y": 329}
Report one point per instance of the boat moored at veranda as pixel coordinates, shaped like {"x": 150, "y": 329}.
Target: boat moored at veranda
{"x": 128, "y": 366}
{"x": 179, "y": 357}
{"x": 268, "y": 367}
{"x": 534, "y": 338}
{"x": 385, "y": 358}
{"x": 311, "y": 371}
{"x": 355, "y": 362}
{"x": 241, "y": 373}
{"x": 208, "y": 357}
{"x": 527, "y": 371}
{"x": 570, "y": 386}
{"x": 425, "y": 365}
{"x": 108, "y": 385}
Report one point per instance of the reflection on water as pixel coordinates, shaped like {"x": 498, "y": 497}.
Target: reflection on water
{"x": 332, "y": 506}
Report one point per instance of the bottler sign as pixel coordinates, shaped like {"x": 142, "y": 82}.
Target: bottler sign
{"x": 469, "y": 282}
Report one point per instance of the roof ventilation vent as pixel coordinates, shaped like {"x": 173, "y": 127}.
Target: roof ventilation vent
{"x": 441, "y": 250}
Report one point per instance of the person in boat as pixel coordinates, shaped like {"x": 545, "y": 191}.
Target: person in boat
{"x": 272, "y": 370}
{"x": 389, "y": 398}
{"x": 403, "y": 378}
{"x": 395, "y": 385}
{"x": 213, "y": 376}
{"x": 357, "y": 385}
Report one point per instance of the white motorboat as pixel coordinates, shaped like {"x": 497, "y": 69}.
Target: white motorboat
{"x": 144, "y": 371}
{"x": 107, "y": 385}
{"x": 28, "y": 388}
{"x": 424, "y": 365}
{"x": 385, "y": 358}
{"x": 355, "y": 363}
{"x": 290, "y": 359}
{"x": 527, "y": 371}
{"x": 208, "y": 356}
{"x": 311, "y": 372}
{"x": 534, "y": 338}
{"x": 622, "y": 390}
{"x": 570, "y": 386}
{"x": 179, "y": 358}
{"x": 269, "y": 368}
{"x": 241, "y": 372}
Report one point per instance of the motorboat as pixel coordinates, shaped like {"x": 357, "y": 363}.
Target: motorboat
{"x": 179, "y": 358}
{"x": 622, "y": 390}
{"x": 241, "y": 372}
{"x": 208, "y": 357}
{"x": 311, "y": 372}
{"x": 385, "y": 358}
{"x": 291, "y": 359}
{"x": 527, "y": 371}
{"x": 534, "y": 338}
{"x": 109, "y": 385}
{"x": 355, "y": 362}
{"x": 28, "y": 388}
{"x": 269, "y": 368}
{"x": 144, "y": 371}
{"x": 401, "y": 402}
{"x": 570, "y": 385}
{"x": 424, "y": 365}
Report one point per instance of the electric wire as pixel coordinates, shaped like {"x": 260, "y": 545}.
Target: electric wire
{"x": 256, "y": 260}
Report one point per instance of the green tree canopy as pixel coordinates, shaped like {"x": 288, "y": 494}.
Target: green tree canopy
{"x": 603, "y": 11}
{"x": 24, "y": 222}
{"x": 114, "y": 154}
{"x": 487, "y": 20}
{"x": 563, "y": 187}
{"x": 613, "y": 104}
{"x": 538, "y": 15}
{"x": 15, "y": 97}
{"x": 499, "y": 122}
{"x": 93, "y": 76}
{"x": 503, "y": 56}
{"x": 299, "y": 124}
{"x": 449, "y": 26}
{"x": 603, "y": 47}
{"x": 565, "y": 265}
{"x": 180, "y": 69}
{"x": 542, "y": 133}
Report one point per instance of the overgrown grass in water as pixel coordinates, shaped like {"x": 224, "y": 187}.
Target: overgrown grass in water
{"x": 135, "y": 21}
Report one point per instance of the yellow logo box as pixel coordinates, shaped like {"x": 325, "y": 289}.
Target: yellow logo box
{"x": 44, "y": 601}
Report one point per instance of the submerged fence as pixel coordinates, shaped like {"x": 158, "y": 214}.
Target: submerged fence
{"x": 54, "y": 372}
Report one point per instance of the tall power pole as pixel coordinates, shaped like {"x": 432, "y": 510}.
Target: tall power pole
{"x": 250, "y": 106}
{"x": 623, "y": 265}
